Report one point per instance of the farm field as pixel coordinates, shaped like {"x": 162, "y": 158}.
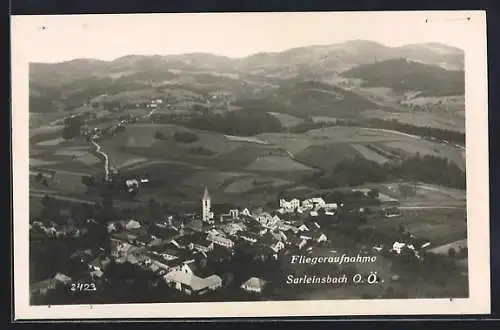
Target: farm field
{"x": 338, "y": 152}
{"x": 444, "y": 249}
{"x": 425, "y": 193}
{"x": 286, "y": 120}
{"x": 369, "y": 154}
{"x": 424, "y": 147}
{"x": 419, "y": 118}
{"x": 249, "y": 139}
{"x": 294, "y": 143}
{"x": 38, "y": 120}
{"x": 277, "y": 163}
{"x": 212, "y": 179}
{"x": 440, "y": 226}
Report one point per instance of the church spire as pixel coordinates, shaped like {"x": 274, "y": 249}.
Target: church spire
{"x": 206, "y": 195}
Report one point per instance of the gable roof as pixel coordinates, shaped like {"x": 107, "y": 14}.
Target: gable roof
{"x": 255, "y": 282}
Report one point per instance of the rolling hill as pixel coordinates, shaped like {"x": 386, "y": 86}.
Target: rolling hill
{"x": 308, "y": 98}
{"x": 403, "y": 75}
{"x": 303, "y": 62}
{"x": 291, "y": 82}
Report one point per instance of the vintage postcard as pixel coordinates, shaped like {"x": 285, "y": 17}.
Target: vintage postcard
{"x": 250, "y": 165}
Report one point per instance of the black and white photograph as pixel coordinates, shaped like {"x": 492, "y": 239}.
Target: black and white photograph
{"x": 250, "y": 164}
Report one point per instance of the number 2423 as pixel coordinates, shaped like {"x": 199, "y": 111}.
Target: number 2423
{"x": 83, "y": 287}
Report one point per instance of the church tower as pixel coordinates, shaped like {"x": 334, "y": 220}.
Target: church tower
{"x": 205, "y": 206}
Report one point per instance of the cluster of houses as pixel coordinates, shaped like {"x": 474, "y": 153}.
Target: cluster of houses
{"x": 311, "y": 205}
{"x": 154, "y": 103}
{"x": 178, "y": 248}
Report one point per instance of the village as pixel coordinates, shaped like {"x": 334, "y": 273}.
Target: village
{"x": 203, "y": 253}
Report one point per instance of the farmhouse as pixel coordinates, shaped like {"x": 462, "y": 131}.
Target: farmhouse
{"x": 184, "y": 279}
{"x": 254, "y": 285}
{"x": 289, "y": 206}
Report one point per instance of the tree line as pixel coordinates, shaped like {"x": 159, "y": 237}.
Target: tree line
{"x": 427, "y": 168}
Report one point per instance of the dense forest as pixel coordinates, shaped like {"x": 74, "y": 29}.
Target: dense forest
{"x": 426, "y": 132}
{"x": 402, "y": 75}
{"x": 360, "y": 170}
{"x": 243, "y": 123}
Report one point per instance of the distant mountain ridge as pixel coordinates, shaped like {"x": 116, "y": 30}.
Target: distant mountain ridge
{"x": 335, "y": 57}
{"x": 252, "y": 80}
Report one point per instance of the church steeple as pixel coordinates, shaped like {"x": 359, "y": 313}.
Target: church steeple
{"x": 205, "y": 206}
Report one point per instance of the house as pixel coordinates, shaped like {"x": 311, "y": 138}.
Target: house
{"x": 63, "y": 279}
{"x": 314, "y": 236}
{"x": 297, "y": 242}
{"x": 318, "y": 202}
{"x": 118, "y": 238}
{"x": 184, "y": 278}
{"x": 233, "y": 228}
{"x": 202, "y": 245}
{"x": 329, "y": 212}
{"x": 157, "y": 262}
{"x": 112, "y": 227}
{"x": 220, "y": 240}
{"x": 43, "y": 287}
{"x": 132, "y": 184}
{"x": 287, "y": 228}
{"x": 254, "y": 285}
{"x": 331, "y": 206}
{"x": 246, "y": 212}
{"x": 279, "y": 235}
{"x": 98, "y": 264}
{"x": 264, "y": 217}
{"x": 398, "y": 247}
{"x": 392, "y": 212}
{"x": 277, "y": 246}
{"x": 120, "y": 249}
{"x": 132, "y": 224}
{"x": 249, "y": 237}
{"x": 303, "y": 228}
{"x": 192, "y": 284}
{"x": 289, "y": 206}
{"x": 164, "y": 232}
{"x": 235, "y": 213}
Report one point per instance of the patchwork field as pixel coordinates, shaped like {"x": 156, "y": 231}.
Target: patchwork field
{"x": 258, "y": 167}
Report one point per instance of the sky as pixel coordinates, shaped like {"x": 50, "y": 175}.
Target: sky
{"x": 107, "y": 37}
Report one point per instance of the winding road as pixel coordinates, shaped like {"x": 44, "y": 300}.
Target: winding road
{"x": 106, "y": 158}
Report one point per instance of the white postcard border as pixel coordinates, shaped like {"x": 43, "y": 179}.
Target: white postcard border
{"x": 477, "y": 211}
